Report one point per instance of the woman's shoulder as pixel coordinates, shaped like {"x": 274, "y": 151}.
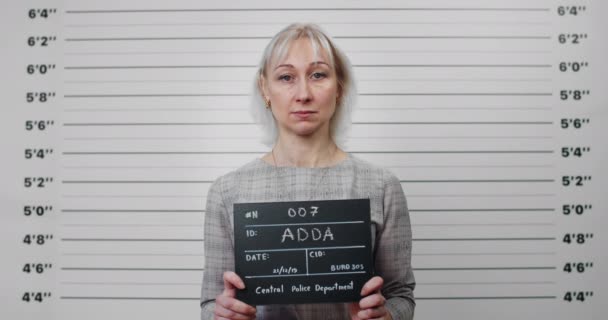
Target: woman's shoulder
{"x": 374, "y": 169}
{"x": 246, "y": 168}
{"x": 230, "y": 177}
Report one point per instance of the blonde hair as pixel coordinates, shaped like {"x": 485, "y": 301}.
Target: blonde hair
{"x": 276, "y": 50}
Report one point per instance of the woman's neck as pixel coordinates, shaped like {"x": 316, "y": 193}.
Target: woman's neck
{"x": 302, "y": 152}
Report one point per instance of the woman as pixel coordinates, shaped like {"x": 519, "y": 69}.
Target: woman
{"x": 306, "y": 85}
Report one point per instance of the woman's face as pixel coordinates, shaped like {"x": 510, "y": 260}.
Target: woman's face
{"x": 302, "y": 90}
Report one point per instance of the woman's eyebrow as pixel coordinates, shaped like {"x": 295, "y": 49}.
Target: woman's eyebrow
{"x": 291, "y": 66}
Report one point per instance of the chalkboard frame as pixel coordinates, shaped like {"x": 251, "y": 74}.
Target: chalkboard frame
{"x": 333, "y": 279}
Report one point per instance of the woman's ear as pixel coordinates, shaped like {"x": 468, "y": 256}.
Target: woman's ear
{"x": 262, "y": 87}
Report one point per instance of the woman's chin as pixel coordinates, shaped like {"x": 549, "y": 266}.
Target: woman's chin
{"x": 308, "y": 130}
{"x": 305, "y": 128}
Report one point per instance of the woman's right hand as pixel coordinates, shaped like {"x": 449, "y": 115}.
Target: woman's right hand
{"x": 226, "y": 306}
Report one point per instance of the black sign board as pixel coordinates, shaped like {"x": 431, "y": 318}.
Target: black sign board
{"x": 302, "y": 251}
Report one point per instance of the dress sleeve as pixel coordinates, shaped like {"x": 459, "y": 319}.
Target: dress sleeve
{"x": 219, "y": 252}
{"x": 394, "y": 250}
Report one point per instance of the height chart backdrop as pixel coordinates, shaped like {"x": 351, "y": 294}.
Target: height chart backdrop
{"x": 117, "y": 116}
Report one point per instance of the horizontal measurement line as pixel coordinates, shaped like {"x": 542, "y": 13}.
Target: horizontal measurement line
{"x": 279, "y": 23}
{"x": 353, "y": 52}
{"x": 255, "y": 138}
{"x": 143, "y": 95}
{"x": 136, "y": 254}
{"x": 131, "y": 210}
{"x": 479, "y": 224}
{"x": 417, "y": 298}
{"x": 125, "y": 298}
{"x": 130, "y": 283}
{"x": 91, "y": 124}
{"x": 161, "y": 138}
{"x": 205, "y": 109}
{"x": 460, "y": 94}
{"x": 479, "y": 181}
{"x": 198, "y": 66}
{"x": 137, "y": 181}
{"x": 487, "y": 298}
{"x": 403, "y": 181}
{"x": 487, "y": 254}
{"x": 410, "y": 210}
{"x": 484, "y": 239}
{"x": 389, "y": 166}
{"x": 133, "y": 196}
{"x": 484, "y": 268}
{"x": 126, "y": 239}
{"x": 497, "y": 37}
{"x": 355, "y": 152}
{"x": 456, "y": 151}
{"x": 487, "y": 283}
{"x": 230, "y": 81}
{"x": 471, "y": 166}
{"x": 485, "y": 210}
{"x": 155, "y": 95}
{"x": 475, "y": 195}
{"x": 387, "y": 80}
{"x": 415, "y": 254}
{"x": 128, "y": 269}
{"x": 128, "y": 225}
{"x": 88, "y": 124}
{"x": 308, "y": 9}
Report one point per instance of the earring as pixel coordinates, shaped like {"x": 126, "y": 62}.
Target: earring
{"x": 267, "y": 104}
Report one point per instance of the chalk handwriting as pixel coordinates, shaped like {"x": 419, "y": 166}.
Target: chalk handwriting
{"x": 303, "y": 234}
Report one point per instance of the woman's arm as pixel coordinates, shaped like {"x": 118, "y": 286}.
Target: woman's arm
{"x": 217, "y": 249}
{"x": 219, "y": 284}
{"x": 394, "y": 250}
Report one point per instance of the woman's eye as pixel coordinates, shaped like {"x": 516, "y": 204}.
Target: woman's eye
{"x": 319, "y": 75}
{"x": 316, "y": 75}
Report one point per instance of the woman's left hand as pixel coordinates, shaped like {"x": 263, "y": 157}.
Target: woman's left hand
{"x": 372, "y": 306}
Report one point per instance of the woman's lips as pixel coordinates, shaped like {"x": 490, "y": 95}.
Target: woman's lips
{"x": 303, "y": 114}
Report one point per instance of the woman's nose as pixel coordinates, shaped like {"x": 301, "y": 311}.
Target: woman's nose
{"x": 303, "y": 93}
